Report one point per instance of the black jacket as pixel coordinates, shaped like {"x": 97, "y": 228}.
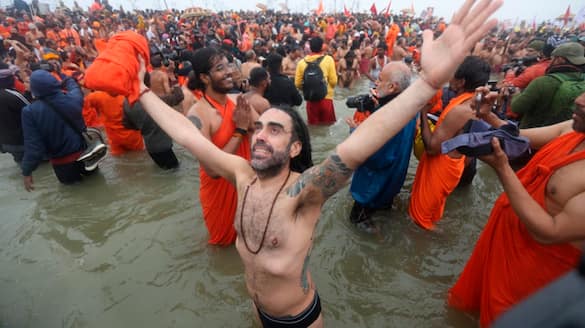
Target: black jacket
{"x": 11, "y": 104}
{"x": 282, "y": 90}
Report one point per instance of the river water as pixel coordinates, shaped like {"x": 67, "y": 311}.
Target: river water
{"x": 127, "y": 248}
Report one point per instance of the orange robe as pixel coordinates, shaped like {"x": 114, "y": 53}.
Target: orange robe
{"x": 391, "y": 38}
{"x": 64, "y": 36}
{"x": 436, "y": 177}
{"x": 218, "y": 197}
{"x": 507, "y": 264}
{"x": 116, "y": 68}
{"x": 100, "y": 44}
{"x": 110, "y": 109}
{"x": 90, "y": 115}
{"x": 52, "y": 35}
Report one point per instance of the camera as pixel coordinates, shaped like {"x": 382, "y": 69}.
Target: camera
{"x": 492, "y": 84}
{"x": 361, "y": 103}
{"x": 520, "y": 64}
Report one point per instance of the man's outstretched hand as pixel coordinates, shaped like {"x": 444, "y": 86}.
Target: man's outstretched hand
{"x": 497, "y": 159}
{"x": 469, "y": 24}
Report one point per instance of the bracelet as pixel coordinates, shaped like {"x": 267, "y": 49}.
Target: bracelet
{"x": 143, "y": 92}
{"x": 241, "y": 131}
{"x": 424, "y": 78}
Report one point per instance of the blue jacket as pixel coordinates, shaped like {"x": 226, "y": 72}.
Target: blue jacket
{"x": 45, "y": 132}
{"x": 380, "y": 178}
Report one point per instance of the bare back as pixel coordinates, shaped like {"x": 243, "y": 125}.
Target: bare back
{"x": 159, "y": 83}
{"x": 258, "y": 103}
{"x": 247, "y": 67}
{"x": 289, "y": 66}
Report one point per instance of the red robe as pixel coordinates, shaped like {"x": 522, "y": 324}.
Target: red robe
{"x": 507, "y": 264}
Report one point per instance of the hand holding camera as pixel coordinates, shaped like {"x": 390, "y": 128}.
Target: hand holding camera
{"x": 484, "y": 101}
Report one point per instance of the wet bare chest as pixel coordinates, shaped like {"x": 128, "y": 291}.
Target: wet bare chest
{"x": 565, "y": 183}
{"x": 261, "y": 224}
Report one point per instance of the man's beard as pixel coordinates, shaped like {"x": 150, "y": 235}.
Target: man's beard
{"x": 269, "y": 167}
{"x": 217, "y": 87}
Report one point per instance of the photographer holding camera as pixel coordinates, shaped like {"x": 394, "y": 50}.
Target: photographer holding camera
{"x": 548, "y": 99}
{"x": 538, "y": 56}
{"x": 380, "y": 178}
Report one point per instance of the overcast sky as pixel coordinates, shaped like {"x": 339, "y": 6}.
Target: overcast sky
{"x": 512, "y": 9}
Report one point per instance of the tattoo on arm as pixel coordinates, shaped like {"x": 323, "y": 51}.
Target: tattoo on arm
{"x": 296, "y": 188}
{"x": 195, "y": 120}
{"x": 304, "y": 280}
{"x": 329, "y": 177}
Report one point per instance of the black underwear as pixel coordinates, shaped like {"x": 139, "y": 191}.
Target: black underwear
{"x": 301, "y": 320}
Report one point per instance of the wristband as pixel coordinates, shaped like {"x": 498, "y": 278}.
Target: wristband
{"x": 241, "y": 131}
{"x": 238, "y": 135}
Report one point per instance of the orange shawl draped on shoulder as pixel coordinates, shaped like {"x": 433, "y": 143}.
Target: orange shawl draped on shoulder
{"x": 507, "y": 264}
{"x": 218, "y": 197}
{"x": 436, "y": 177}
{"x": 115, "y": 70}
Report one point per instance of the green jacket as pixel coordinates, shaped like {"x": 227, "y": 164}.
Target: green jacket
{"x": 534, "y": 103}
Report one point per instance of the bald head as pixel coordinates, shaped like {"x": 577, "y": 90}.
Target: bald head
{"x": 394, "y": 78}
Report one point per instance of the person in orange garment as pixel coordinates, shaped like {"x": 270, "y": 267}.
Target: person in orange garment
{"x": 391, "y": 36}
{"x": 109, "y": 108}
{"x": 115, "y": 68}
{"x": 68, "y": 36}
{"x": 226, "y": 123}
{"x": 535, "y": 232}
{"x": 437, "y": 175}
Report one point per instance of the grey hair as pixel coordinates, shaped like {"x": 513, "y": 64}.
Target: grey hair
{"x": 401, "y": 75}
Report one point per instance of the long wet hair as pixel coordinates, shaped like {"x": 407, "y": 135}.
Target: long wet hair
{"x": 304, "y": 159}
{"x": 202, "y": 61}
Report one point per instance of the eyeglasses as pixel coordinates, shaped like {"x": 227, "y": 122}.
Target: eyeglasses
{"x": 219, "y": 68}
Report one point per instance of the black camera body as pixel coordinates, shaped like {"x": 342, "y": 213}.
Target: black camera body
{"x": 361, "y": 103}
{"x": 520, "y": 64}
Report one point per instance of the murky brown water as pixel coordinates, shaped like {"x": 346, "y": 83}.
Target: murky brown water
{"x": 128, "y": 249}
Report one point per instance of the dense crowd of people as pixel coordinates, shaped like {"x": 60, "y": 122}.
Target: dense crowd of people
{"x": 227, "y": 87}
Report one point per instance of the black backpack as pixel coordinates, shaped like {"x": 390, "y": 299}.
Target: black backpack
{"x": 314, "y": 84}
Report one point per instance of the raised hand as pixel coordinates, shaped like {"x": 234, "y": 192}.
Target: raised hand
{"x": 242, "y": 113}
{"x": 484, "y": 101}
{"x": 441, "y": 57}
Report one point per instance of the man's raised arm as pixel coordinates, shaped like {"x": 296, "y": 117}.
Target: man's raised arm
{"x": 440, "y": 59}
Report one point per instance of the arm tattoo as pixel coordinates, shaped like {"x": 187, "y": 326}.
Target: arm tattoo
{"x": 329, "y": 177}
{"x": 296, "y": 188}
{"x": 304, "y": 280}
{"x": 196, "y": 121}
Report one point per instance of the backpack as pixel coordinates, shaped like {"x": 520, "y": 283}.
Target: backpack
{"x": 563, "y": 101}
{"x": 314, "y": 84}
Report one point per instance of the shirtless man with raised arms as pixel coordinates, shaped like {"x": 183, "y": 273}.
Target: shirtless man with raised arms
{"x": 278, "y": 206}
